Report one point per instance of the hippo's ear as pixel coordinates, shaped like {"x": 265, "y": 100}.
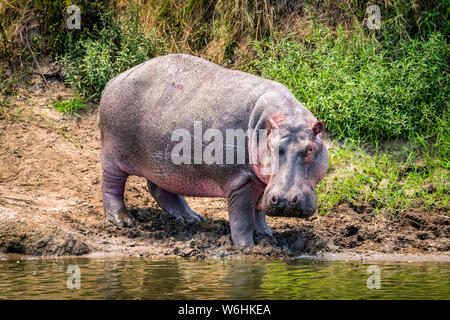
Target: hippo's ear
{"x": 318, "y": 128}
{"x": 273, "y": 122}
{"x": 270, "y": 125}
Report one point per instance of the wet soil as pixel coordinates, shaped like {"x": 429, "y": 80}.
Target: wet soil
{"x": 50, "y": 203}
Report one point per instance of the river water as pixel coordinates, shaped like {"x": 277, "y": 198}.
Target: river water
{"x": 144, "y": 278}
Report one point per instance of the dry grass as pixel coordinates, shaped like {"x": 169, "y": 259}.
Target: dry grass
{"x": 208, "y": 29}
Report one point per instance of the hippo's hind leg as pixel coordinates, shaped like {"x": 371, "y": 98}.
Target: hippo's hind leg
{"x": 113, "y": 186}
{"x": 173, "y": 204}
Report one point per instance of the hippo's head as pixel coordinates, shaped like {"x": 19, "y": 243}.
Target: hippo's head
{"x": 299, "y": 161}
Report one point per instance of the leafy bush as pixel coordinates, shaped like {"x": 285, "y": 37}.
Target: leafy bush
{"x": 365, "y": 89}
{"x": 96, "y": 57}
{"x": 53, "y": 14}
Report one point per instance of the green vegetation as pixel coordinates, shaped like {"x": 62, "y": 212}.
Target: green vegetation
{"x": 98, "y": 56}
{"x": 383, "y": 182}
{"x": 71, "y": 106}
{"x": 369, "y": 86}
{"x": 364, "y": 89}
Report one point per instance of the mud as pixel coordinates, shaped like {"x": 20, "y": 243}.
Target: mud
{"x": 50, "y": 204}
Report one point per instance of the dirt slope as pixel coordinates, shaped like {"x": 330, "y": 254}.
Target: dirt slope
{"x": 50, "y": 203}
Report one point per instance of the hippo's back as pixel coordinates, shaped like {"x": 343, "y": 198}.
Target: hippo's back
{"x": 172, "y": 91}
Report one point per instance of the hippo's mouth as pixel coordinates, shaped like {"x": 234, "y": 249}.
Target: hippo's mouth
{"x": 286, "y": 212}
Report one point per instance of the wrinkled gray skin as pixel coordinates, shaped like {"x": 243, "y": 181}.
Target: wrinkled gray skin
{"x": 140, "y": 109}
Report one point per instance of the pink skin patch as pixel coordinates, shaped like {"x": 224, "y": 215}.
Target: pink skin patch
{"x": 277, "y": 118}
{"x": 273, "y": 123}
{"x": 192, "y": 186}
{"x": 257, "y": 169}
{"x": 187, "y": 186}
{"x": 203, "y": 188}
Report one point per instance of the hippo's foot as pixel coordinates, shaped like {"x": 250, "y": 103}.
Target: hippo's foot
{"x": 187, "y": 215}
{"x": 121, "y": 218}
{"x": 261, "y": 225}
{"x": 241, "y": 240}
{"x": 173, "y": 204}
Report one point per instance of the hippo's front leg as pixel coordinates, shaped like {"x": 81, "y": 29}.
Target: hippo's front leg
{"x": 241, "y": 211}
{"x": 261, "y": 224}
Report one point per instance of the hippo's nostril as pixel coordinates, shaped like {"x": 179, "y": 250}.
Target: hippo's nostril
{"x": 273, "y": 199}
{"x": 294, "y": 201}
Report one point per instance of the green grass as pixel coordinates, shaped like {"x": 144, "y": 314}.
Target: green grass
{"x": 72, "y": 106}
{"x": 382, "y": 183}
{"x": 365, "y": 89}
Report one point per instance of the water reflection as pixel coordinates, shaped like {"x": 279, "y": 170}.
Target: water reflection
{"x": 138, "y": 278}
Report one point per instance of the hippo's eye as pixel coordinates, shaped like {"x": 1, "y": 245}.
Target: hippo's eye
{"x": 281, "y": 151}
{"x": 308, "y": 151}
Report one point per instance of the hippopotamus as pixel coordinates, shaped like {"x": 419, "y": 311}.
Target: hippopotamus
{"x": 142, "y": 108}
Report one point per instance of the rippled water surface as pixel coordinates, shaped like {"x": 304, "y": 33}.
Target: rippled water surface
{"x": 141, "y": 278}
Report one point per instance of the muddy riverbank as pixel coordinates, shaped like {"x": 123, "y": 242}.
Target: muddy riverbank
{"x": 50, "y": 204}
